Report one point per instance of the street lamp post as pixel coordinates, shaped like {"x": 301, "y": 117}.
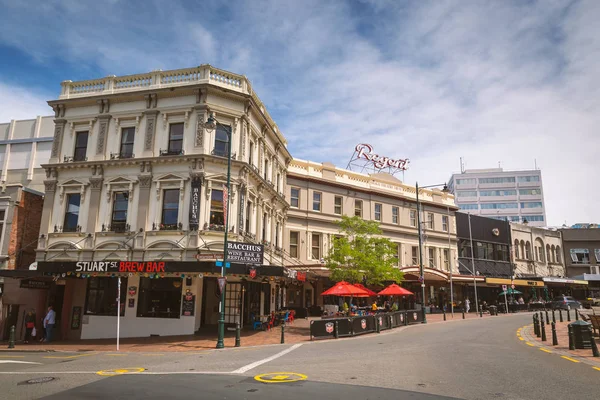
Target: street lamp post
{"x": 421, "y": 268}
{"x": 210, "y": 124}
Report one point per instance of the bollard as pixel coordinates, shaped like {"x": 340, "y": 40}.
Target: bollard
{"x": 424, "y": 316}
{"x": 336, "y": 332}
{"x": 594, "y": 347}
{"x": 554, "y": 337}
{"x": 377, "y": 328}
{"x": 576, "y": 315}
{"x": 568, "y": 314}
{"x": 11, "y": 338}
{"x": 405, "y": 319}
{"x": 560, "y": 314}
{"x": 283, "y": 333}
{"x": 536, "y": 326}
{"x": 553, "y": 316}
{"x": 571, "y": 338}
{"x": 480, "y": 313}
{"x": 463, "y": 310}
{"x": 547, "y": 318}
{"x": 535, "y": 329}
{"x": 543, "y": 327}
{"x": 237, "y": 335}
{"x": 444, "y": 314}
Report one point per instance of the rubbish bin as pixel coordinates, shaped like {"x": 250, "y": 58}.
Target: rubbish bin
{"x": 493, "y": 310}
{"x": 582, "y": 333}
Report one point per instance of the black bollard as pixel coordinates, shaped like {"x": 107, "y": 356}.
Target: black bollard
{"x": 554, "y": 337}
{"x": 594, "y": 346}
{"x": 237, "y": 335}
{"x": 444, "y": 314}
{"x": 576, "y": 315}
{"x": 547, "y": 318}
{"x": 463, "y": 311}
{"x": 571, "y": 338}
{"x": 377, "y": 327}
{"x": 424, "y": 316}
{"x": 560, "y": 314}
{"x": 11, "y": 338}
{"x": 336, "y": 332}
{"x": 553, "y": 316}
{"x": 537, "y": 326}
{"x": 283, "y": 333}
{"x": 480, "y": 313}
{"x": 543, "y": 327}
{"x": 535, "y": 330}
{"x": 569, "y": 314}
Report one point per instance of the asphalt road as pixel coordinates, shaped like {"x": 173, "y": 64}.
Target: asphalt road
{"x": 471, "y": 359}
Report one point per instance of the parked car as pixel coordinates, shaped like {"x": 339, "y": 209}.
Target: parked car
{"x": 591, "y": 302}
{"x": 565, "y": 302}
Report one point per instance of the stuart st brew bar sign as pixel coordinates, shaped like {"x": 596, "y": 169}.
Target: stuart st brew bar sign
{"x": 245, "y": 253}
{"x": 365, "y": 151}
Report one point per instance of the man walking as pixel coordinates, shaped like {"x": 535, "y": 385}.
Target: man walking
{"x": 49, "y": 322}
{"x": 467, "y": 305}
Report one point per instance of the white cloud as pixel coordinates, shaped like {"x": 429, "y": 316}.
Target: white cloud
{"x": 21, "y": 103}
{"x": 506, "y": 81}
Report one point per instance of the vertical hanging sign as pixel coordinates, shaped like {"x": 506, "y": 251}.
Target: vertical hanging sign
{"x": 222, "y": 282}
{"x": 225, "y": 204}
{"x": 195, "y": 205}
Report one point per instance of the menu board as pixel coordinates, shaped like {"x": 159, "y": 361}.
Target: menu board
{"x": 189, "y": 304}
{"x": 76, "y": 318}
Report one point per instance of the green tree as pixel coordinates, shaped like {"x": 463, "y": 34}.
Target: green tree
{"x": 361, "y": 253}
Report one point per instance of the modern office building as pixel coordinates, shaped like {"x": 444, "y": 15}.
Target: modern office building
{"x": 581, "y": 247}
{"x": 517, "y": 196}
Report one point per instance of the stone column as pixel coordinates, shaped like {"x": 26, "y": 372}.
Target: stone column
{"x": 149, "y": 133}
{"x": 103, "y": 121}
{"x": 145, "y": 179}
{"x": 259, "y": 220}
{"x": 94, "y": 208}
{"x": 59, "y": 128}
{"x": 50, "y": 187}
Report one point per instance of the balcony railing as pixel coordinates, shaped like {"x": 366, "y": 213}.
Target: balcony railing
{"x": 171, "y": 152}
{"x": 214, "y": 227}
{"x": 117, "y": 227}
{"x": 68, "y": 159}
{"x": 121, "y": 156}
{"x": 67, "y": 229}
{"x": 220, "y": 153}
{"x": 167, "y": 227}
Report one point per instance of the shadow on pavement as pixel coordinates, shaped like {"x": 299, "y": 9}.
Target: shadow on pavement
{"x": 189, "y": 386}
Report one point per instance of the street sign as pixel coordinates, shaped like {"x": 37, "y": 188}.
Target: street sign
{"x": 245, "y": 253}
{"x": 219, "y": 263}
{"x": 504, "y": 287}
{"x": 222, "y": 282}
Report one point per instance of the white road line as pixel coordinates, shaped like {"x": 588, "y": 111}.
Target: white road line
{"x": 47, "y": 373}
{"x": 17, "y": 362}
{"x": 265, "y": 360}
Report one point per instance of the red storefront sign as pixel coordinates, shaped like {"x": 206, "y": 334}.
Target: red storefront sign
{"x": 134, "y": 266}
{"x": 301, "y": 276}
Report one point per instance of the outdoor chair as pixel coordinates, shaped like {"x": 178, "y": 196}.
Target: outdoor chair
{"x": 269, "y": 324}
{"x": 256, "y": 322}
{"x": 595, "y": 321}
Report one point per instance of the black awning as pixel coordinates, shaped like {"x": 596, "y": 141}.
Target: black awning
{"x": 21, "y": 273}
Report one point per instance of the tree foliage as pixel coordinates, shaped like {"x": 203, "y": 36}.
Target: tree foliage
{"x": 361, "y": 255}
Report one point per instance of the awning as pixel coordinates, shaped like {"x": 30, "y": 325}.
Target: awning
{"x": 21, "y": 273}
{"x": 565, "y": 280}
{"x": 516, "y": 282}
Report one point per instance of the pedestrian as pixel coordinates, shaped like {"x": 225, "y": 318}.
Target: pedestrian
{"x": 29, "y": 325}
{"x": 467, "y": 305}
{"x": 49, "y": 321}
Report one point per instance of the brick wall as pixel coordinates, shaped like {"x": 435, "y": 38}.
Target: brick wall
{"x": 25, "y": 230}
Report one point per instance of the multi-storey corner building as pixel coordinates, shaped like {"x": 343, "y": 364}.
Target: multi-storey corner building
{"x": 517, "y": 196}
{"x": 135, "y": 188}
{"x": 581, "y": 251}
{"x": 319, "y": 194}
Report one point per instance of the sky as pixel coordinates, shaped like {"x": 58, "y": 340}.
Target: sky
{"x": 510, "y": 83}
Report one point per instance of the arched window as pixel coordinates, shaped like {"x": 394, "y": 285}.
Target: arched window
{"x": 516, "y": 248}
{"x": 523, "y": 249}
{"x": 553, "y": 252}
{"x": 558, "y": 256}
{"x": 548, "y": 256}
{"x": 528, "y": 251}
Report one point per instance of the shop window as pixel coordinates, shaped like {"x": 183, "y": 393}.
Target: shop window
{"x": 217, "y": 217}
{"x": 378, "y": 211}
{"x": 170, "y": 209}
{"x": 337, "y": 207}
{"x": 358, "y": 205}
{"x": 175, "y": 139}
{"x": 294, "y": 244}
{"x": 81, "y": 142}
{"x": 100, "y": 298}
{"x": 295, "y": 197}
{"x": 127, "y": 135}
{"x": 464, "y": 246}
{"x": 72, "y": 212}
{"x": 159, "y": 298}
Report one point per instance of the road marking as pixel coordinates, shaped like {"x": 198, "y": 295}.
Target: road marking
{"x": 596, "y": 368}
{"x": 546, "y": 350}
{"x": 115, "y": 354}
{"x": 119, "y": 371}
{"x": 521, "y": 338}
{"x": 153, "y": 354}
{"x": 13, "y": 356}
{"x": 65, "y": 357}
{"x": 265, "y": 360}
{"x": 530, "y": 344}
{"x": 40, "y": 372}
{"x": 570, "y": 359}
{"x": 280, "y": 377}
{"x": 17, "y": 362}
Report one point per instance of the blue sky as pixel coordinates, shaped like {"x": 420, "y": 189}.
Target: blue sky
{"x": 491, "y": 81}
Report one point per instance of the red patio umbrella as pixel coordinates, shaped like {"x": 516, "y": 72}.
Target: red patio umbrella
{"x": 345, "y": 289}
{"x": 395, "y": 290}
{"x": 361, "y": 286}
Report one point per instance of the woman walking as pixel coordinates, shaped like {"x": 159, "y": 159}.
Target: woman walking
{"x": 29, "y": 326}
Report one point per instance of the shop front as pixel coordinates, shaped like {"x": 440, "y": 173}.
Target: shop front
{"x": 578, "y": 288}
{"x": 531, "y": 289}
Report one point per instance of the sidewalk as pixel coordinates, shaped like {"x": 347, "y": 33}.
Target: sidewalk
{"x": 562, "y": 334}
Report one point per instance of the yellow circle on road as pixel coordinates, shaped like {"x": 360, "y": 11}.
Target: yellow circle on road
{"x": 119, "y": 371}
{"x": 280, "y": 377}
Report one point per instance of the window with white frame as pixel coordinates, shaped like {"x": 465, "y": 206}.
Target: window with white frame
{"x": 414, "y": 255}
{"x": 447, "y": 259}
{"x": 170, "y": 209}
{"x": 337, "y": 205}
{"x": 71, "y": 220}
{"x": 81, "y": 142}
{"x": 317, "y": 201}
{"x": 431, "y": 257}
{"x": 358, "y": 206}
{"x": 430, "y": 224}
{"x": 127, "y": 139}
{"x": 316, "y": 246}
{"x": 175, "y": 145}
{"x": 294, "y": 244}
{"x": 413, "y": 217}
{"x": 395, "y": 212}
{"x": 378, "y": 211}
{"x": 445, "y": 223}
{"x": 580, "y": 256}
{"x": 295, "y": 197}
{"x": 118, "y": 222}
{"x": 2, "y": 218}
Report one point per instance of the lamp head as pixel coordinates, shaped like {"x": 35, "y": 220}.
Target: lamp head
{"x": 211, "y": 122}
{"x": 445, "y": 189}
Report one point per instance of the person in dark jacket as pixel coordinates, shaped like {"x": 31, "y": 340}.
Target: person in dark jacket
{"x": 29, "y": 325}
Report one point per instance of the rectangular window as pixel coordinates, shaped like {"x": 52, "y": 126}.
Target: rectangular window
{"x": 413, "y": 217}
{"x": 81, "y": 141}
{"x": 510, "y": 179}
{"x": 127, "y": 135}
{"x": 175, "y": 138}
{"x": 430, "y": 224}
{"x": 466, "y": 181}
{"x": 266, "y": 171}
{"x": 580, "y": 256}
{"x": 170, "y": 209}
{"x": 499, "y": 206}
{"x": 464, "y": 248}
{"x": 377, "y": 212}
{"x": 337, "y": 205}
{"x": 159, "y": 298}
{"x": 294, "y": 244}
{"x": 446, "y": 259}
{"x": 487, "y": 193}
{"x": 119, "y": 212}
{"x": 431, "y": 257}
{"x": 468, "y": 206}
{"x": 295, "y": 197}
{"x": 358, "y": 208}
{"x": 248, "y": 209}
{"x": 2, "y": 216}
{"x": 596, "y": 253}
{"x": 395, "y": 212}
{"x": 466, "y": 193}
{"x": 317, "y": 201}
{"x": 217, "y": 216}
{"x": 529, "y": 178}
{"x": 533, "y": 218}
{"x": 316, "y": 246}
{"x": 222, "y": 140}
{"x": 101, "y": 296}
{"x": 277, "y": 183}
{"x": 530, "y": 192}
{"x": 445, "y": 223}
{"x": 251, "y": 154}
{"x": 415, "y": 255}
{"x": 532, "y": 204}
{"x": 72, "y": 212}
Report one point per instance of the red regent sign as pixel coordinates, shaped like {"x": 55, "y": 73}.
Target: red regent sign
{"x": 366, "y": 151}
